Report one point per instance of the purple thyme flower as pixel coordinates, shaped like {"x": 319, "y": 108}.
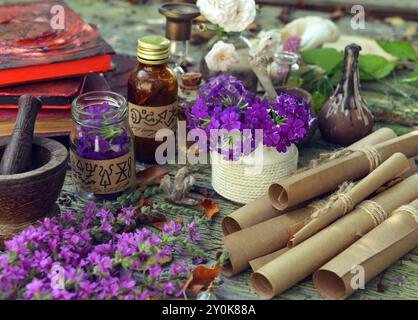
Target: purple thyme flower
{"x": 177, "y": 268}
{"x": 104, "y": 264}
{"x": 155, "y": 271}
{"x": 33, "y": 288}
{"x": 127, "y": 216}
{"x": 172, "y": 228}
{"x": 66, "y": 258}
{"x": 193, "y": 234}
{"x": 168, "y": 288}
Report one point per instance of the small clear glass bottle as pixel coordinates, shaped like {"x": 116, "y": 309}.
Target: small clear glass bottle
{"x": 101, "y": 146}
{"x": 152, "y": 96}
{"x": 178, "y": 30}
{"x": 283, "y": 68}
{"x": 241, "y": 68}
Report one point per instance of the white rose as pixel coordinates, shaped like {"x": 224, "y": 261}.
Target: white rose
{"x": 217, "y": 11}
{"x": 221, "y": 56}
{"x": 232, "y": 15}
{"x": 243, "y": 16}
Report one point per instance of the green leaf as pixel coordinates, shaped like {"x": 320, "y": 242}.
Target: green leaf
{"x": 325, "y": 58}
{"x": 127, "y": 262}
{"x": 373, "y": 67}
{"x": 411, "y": 78}
{"x": 118, "y": 257}
{"x": 400, "y": 49}
{"x": 318, "y": 100}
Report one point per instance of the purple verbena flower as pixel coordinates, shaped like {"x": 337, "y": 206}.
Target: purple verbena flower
{"x": 225, "y": 104}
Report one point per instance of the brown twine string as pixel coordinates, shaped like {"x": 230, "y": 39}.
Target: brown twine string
{"x": 340, "y": 194}
{"x": 328, "y": 156}
{"x": 347, "y": 202}
{"x": 375, "y": 210}
{"x": 318, "y": 204}
{"x": 409, "y": 210}
{"x": 373, "y": 156}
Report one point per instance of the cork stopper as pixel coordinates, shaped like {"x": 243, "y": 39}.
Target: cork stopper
{"x": 191, "y": 79}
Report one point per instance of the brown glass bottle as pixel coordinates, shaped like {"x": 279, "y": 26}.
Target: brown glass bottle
{"x": 152, "y": 96}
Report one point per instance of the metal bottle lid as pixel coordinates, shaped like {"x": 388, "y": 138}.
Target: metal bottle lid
{"x": 179, "y": 20}
{"x": 153, "y": 50}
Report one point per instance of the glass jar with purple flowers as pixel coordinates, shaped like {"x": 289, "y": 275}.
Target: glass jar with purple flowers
{"x": 101, "y": 146}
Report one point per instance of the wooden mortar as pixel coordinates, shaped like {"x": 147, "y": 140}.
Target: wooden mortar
{"x": 28, "y": 196}
{"x": 32, "y": 172}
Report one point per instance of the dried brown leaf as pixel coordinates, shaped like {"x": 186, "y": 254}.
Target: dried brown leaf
{"x": 153, "y": 219}
{"x": 209, "y": 207}
{"x": 201, "y": 278}
{"x": 139, "y": 205}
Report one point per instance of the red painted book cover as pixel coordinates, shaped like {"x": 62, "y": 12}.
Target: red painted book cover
{"x": 55, "y": 94}
{"x": 47, "y": 40}
{"x": 52, "y": 120}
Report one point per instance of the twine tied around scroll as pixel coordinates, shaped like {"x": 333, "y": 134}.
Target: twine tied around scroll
{"x": 408, "y": 209}
{"x": 375, "y": 210}
{"x": 318, "y": 204}
{"x": 339, "y": 195}
{"x": 373, "y": 156}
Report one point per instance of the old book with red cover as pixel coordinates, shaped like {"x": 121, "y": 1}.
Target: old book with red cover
{"x": 51, "y": 120}
{"x": 32, "y": 48}
{"x": 55, "y": 94}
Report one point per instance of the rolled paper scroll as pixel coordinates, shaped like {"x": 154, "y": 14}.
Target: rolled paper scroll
{"x": 302, "y": 260}
{"x": 380, "y": 135}
{"x": 326, "y": 177}
{"x": 261, "y": 209}
{"x": 263, "y": 260}
{"x": 376, "y": 251}
{"x": 412, "y": 168}
{"x": 262, "y": 238}
{"x": 249, "y": 215}
{"x": 345, "y": 200}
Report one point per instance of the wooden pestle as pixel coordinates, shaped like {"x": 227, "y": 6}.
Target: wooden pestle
{"x": 17, "y": 157}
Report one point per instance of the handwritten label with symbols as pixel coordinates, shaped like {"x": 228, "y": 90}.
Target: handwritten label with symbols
{"x": 103, "y": 176}
{"x": 146, "y": 121}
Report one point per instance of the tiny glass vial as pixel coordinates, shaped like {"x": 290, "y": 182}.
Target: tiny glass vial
{"x": 188, "y": 91}
{"x": 284, "y": 67}
{"x": 152, "y": 96}
{"x": 101, "y": 147}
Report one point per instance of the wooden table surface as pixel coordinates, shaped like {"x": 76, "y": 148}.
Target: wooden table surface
{"x": 121, "y": 23}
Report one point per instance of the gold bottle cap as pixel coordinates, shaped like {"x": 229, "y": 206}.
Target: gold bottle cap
{"x": 153, "y": 50}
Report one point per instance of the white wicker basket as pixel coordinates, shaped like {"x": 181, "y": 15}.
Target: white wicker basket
{"x": 249, "y": 178}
